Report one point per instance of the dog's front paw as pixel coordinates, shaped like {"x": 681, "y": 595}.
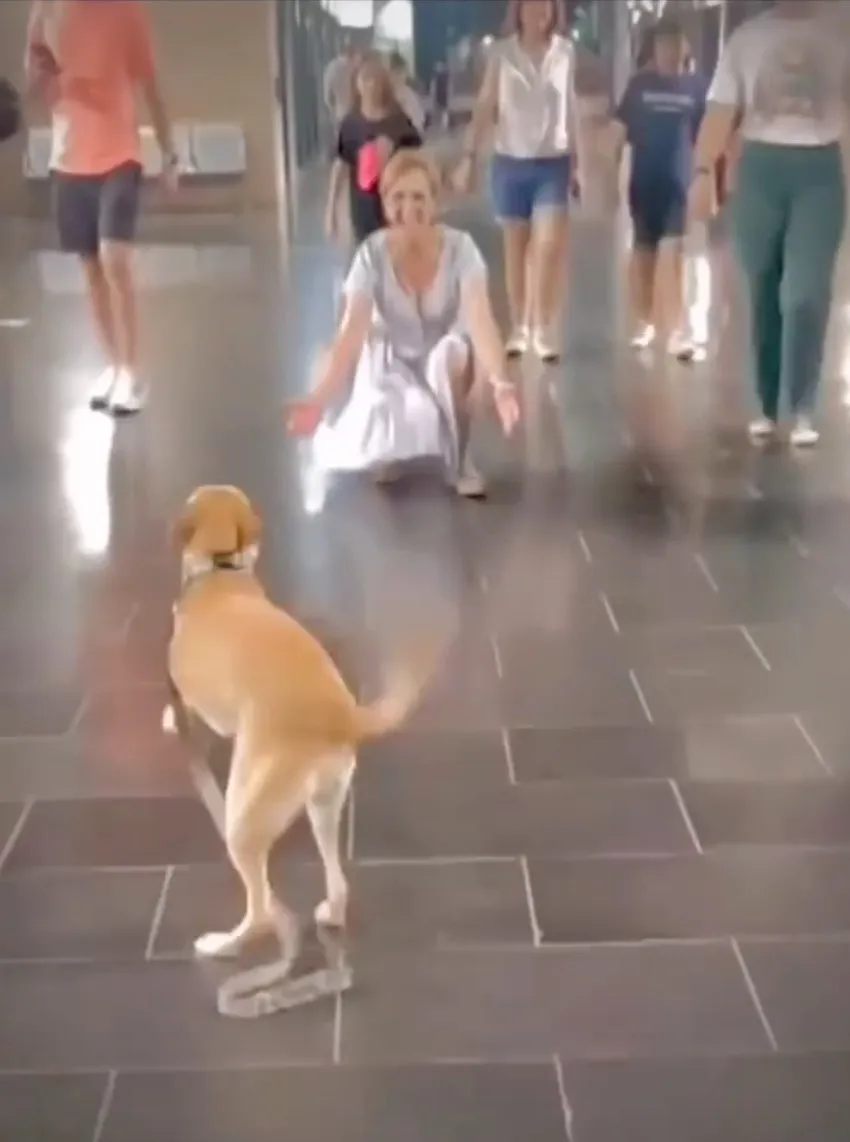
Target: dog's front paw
{"x": 169, "y": 720}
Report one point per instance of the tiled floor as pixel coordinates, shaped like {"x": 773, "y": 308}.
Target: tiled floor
{"x": 601, "y": 884}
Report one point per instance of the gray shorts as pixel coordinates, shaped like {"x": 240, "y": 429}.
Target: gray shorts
{"x": 91, "y": 209}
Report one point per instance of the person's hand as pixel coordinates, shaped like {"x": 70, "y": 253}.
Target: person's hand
{"x": 507, "y": 406}
{"x": 463, "y": 179}
{"x": 384, "y": 147}
{"x": 303, "y": 417}
{"x": 702, "y": 199}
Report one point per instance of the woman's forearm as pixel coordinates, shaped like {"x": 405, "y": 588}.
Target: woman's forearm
{"x": 336, "y": 369}
{"x": 487, "y": 343}
{"x": 483, "y": 112}
{"x": 575, "y": 127}
{"x": 335, "y": 185}
{"x": 715, "y": 135}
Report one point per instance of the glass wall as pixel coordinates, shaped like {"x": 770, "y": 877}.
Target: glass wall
{"x": 309, "y": 37}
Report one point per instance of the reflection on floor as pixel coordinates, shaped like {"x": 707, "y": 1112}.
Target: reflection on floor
{"x": 601, "y": 884}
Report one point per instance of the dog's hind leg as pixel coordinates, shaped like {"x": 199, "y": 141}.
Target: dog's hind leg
{"x": 253, "y": 822}
{"x": 325, "y": 803}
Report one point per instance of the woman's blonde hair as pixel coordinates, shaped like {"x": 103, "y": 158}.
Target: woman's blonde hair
{"x": 407, "y": 160}
{"x": 558, "y": 22}
{"x": 375, "y": 61}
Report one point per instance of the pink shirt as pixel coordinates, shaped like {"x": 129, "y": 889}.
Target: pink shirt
{"x": 103, "y": 52}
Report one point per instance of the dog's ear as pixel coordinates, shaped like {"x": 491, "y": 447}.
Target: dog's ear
{"x": 250, "y": 529}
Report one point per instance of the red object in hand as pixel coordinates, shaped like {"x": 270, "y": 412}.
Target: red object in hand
{"x": 303, "y": 417}
{"x": 369, "y": 166}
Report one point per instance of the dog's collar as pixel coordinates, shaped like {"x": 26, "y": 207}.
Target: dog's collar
{"x": 224, "y": 561}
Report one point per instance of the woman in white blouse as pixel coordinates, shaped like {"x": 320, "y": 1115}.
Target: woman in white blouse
{"x": 527, "y": 99}
{"x": 781, "y": 76}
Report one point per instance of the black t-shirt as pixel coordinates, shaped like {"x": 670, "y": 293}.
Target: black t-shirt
{"x": 358, "y": 148}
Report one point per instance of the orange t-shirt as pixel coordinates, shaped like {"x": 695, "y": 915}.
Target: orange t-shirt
{"x": 103, "y": 51}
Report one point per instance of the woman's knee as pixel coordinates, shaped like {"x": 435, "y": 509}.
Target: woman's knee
{"x": 453, "y": 359}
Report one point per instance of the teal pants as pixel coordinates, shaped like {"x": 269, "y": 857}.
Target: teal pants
{"x": 788, "y": 213}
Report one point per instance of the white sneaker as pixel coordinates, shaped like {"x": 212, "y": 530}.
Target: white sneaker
{"x": 101, "y": 397}
{"x": 682, "y": 348}
{"x": 469, "y": 483}
{"x": 127, "y": 396}
{"x": 517, "y": 343}
{"x": 804, "y": 434}
{"x": 643, "y": 337}
{"x": 545, "y": 347}
{"x": 762, "y": 428}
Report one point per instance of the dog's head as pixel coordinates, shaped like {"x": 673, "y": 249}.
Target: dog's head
{"x": 218, "y": 527}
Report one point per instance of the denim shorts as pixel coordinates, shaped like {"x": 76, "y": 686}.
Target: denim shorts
{"x": 521, "y": 187}
{"x": 91, "y": 209}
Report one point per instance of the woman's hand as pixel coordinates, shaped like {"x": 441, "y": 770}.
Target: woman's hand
{"x": 463, "y": 178}
{"x": 303, "y": 417}
{"x": 507, "y": 406}
{"x": 702, "y": 198}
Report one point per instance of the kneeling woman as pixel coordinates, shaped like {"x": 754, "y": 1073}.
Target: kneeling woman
{"x": 416, "y": 334}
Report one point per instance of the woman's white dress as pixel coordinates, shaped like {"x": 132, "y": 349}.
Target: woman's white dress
{"x": 401, "y": 405}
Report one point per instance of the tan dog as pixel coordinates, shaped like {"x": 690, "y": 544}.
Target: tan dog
{"x": 251, "y": 673}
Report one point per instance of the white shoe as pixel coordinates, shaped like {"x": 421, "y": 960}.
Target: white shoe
{"x": 682, "y": 348}
{"x": 762, "y": 429}
{"x": 127, "y": 396}
{"x": 469, "y": 483}
{"x": 517, "y": 343}
{"x": 101, "y": 396}
{"x": 804, "y": 434}
{"x": 545, "y": 348}
{"x": 643, "y": 337}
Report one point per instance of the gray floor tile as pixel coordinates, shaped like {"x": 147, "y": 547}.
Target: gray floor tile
{"x": 12, "y": 816}
{"x": 77, "y": 915}
{"x": 778, "y": 1099}
{"x": 761, "y": 892}
{"x": 812, "y": 813}
{"x": 828, "y": 732}
{"x": 39, "y": 713}
{"x": 64, "y": 768}
{"x": 464, "y": 694}
{"x": 703, "y": 651}
{"x": 126, "y": 833}
{"x": 703, "y": 696}
{"x": 768, "y": 748}
{"x": 549, "y": 682}
{"x": 121, "y": 730}
{"x": 414, "y": 759}
{"x": 79, "y": 1016}
{"x": 688, "y": 604}
{"x": 804, "y": 988}
{"x": 585, "y": 1003}
{"x": 131, "y": 833}
{"x": 413, "y": 1104}
{"x": 542, "y": 819}
{"x": 394, "y": 907}
{"x": 598, "y": 753}
{"x": 50, "y": 1108}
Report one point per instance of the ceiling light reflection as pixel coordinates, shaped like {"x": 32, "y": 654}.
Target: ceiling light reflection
{"x": 86, "y": 451}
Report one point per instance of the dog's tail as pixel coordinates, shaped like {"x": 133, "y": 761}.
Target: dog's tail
{"x": 405, "y": 687}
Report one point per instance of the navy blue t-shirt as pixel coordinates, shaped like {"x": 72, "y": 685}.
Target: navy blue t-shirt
{"x": 662, "y": 116}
